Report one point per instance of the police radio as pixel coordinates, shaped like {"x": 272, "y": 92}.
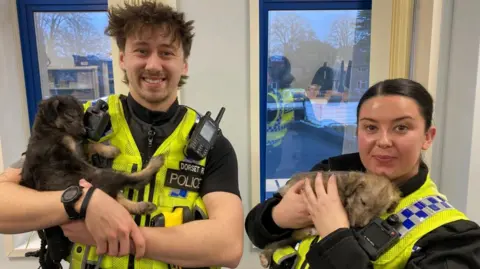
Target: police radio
{"x": 96, "y": 120}
{"x": 203, "y": 136}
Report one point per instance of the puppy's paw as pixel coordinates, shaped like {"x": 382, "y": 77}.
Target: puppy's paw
{"x": 264, "y": 260}
{"x": 146, "y": 208}
{"x": 304, "y": 233}
{"x": 156, "y": 162}
{"x": 107, "y": 151}
{"x": 111, "y": 152}
{"x": 312, "y": 231}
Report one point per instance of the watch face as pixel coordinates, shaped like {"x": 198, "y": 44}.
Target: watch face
{"x": 70, "y": 194}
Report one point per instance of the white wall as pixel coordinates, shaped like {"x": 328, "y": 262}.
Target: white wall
{"x": 14, "y": 116}
{"x": 219, "y": 76}
{"x": 14, "y": 128}
{"x": 460, "y": 164}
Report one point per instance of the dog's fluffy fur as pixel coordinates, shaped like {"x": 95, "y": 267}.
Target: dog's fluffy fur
{"x": 58, "y": 154}
{"x": 364, "y": 196}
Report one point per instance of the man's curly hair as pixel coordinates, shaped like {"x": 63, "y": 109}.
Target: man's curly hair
{"x": 134, "y": 19}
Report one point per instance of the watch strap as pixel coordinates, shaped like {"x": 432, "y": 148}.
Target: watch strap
{"x": 72, "y": 214}
{"x": 85, "y": 202}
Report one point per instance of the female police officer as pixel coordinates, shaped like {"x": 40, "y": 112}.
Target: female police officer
{"x": 394, "y": 127}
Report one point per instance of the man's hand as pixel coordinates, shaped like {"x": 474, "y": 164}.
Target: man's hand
{"x": 77, "y": 232}
{"x": 111, "y": 226}
{"x": 292, "y": 211}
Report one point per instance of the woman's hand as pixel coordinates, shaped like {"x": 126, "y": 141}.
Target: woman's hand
{"x": 326, "y": 209}
{"x": 292, "y": 211}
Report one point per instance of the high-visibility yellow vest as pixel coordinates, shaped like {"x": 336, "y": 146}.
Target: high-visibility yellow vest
{"x": 420, "y": 213}
{"x": 165, "y": 198}
{"x": 277, "y": 128}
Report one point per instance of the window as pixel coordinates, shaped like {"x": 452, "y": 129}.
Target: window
{"x": 314, "y": 64}
{"x": 70, "y": 54}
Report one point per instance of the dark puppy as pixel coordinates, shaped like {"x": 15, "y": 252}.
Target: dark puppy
{"x": 364, "y": 196}
{"x": 57, "y": 157}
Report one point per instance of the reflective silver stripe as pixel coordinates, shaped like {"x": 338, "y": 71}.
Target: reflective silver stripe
{"x": 200, "y": 211}
{"x": 416, "y": 248}
{"x": 419, "y": 211}
{"x": 85, "y": 257}
{"x": 99, "y": 262}
{"x": 286, "y": 257}
{"x": 85, "y": 260}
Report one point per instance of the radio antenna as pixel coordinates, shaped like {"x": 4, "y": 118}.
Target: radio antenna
{"x": 219, "y": 116}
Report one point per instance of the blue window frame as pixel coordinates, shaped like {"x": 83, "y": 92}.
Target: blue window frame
{"x": 265, "y": 9}
{"x": 26, "y": 10}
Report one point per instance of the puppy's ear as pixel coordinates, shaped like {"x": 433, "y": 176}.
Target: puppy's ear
{"x": 351, "y": 182}
{"x": 50, "y": 110}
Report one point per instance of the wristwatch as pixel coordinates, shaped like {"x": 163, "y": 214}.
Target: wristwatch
{"x": 69, "y": 197}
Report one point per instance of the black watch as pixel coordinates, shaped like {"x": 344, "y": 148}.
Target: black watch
{"x": 69, "y": 197}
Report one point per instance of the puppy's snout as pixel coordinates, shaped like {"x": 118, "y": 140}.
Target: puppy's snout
{"x": 79, "y": 128}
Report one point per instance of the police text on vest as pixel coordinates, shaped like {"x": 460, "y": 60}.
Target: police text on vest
{"x": 182, "y": 180}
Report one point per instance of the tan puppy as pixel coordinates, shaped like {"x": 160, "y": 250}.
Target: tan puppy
{"x": 364, "y": 196}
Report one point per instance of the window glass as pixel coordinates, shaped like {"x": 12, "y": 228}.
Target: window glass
{"x": 74, "y": 54}
{"x": 317, "y": 70}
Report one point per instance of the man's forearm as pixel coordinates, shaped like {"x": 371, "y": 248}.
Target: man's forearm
{"x": 23, "y": 210}
{"x": 200, "y": 243}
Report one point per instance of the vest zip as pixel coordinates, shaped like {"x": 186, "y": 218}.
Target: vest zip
{"x": 150, "y": 152}
{"x": 151, "y": 135}
{"x": 141, "y": 192}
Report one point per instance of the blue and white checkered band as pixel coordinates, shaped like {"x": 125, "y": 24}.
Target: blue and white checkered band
{"x": 418, "y": 212}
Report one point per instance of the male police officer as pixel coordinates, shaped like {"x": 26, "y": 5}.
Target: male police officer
{"x": 154, "y": 43}
{"x": 280, "y": 113}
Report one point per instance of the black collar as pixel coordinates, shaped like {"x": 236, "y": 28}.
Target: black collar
{"x": 416, "y": 181}
{"x": 149, "y": 116}
{"x": 352, "y": 162}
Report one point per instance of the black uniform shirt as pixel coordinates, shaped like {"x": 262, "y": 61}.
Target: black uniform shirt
{"x": 453, "y": 245}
